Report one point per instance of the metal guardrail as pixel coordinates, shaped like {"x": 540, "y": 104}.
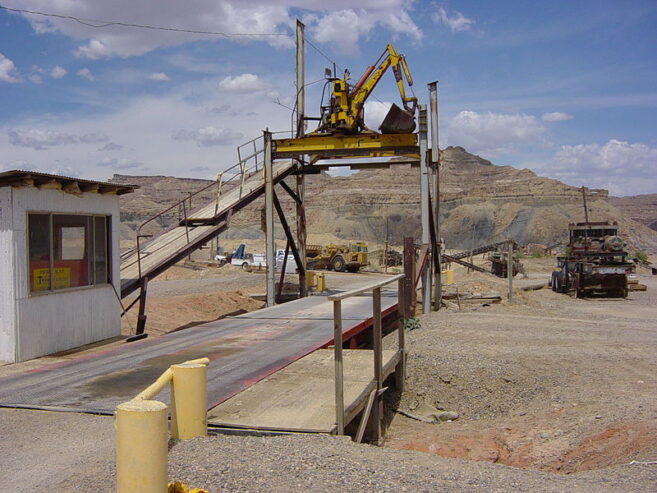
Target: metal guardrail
{"x": 377, "y": 343}
{"x": 240, "y": 171}
{"x": 141, "y": 431}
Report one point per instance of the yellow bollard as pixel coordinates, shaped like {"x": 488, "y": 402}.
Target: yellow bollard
{"x": 310, "y": 278}
{"x": 141, "y": 446}
{"x": 189, "y": 401}
{"x": 321, "y": 282}
{"x": 449, "y": 276}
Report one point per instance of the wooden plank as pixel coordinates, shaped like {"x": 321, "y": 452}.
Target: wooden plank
{"x": 301, "y": 396}
{"x": 364, "y": 289}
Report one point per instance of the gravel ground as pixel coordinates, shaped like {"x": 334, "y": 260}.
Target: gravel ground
{"x": 321, "y": 463}
{"x": 548, "y": 382}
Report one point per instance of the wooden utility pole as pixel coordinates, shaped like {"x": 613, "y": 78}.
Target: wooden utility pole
{"x": 300, "y": 185}
{"x": 509, "y": 268}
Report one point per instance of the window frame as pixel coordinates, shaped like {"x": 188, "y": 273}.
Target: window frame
{"x": 91, "y": 241}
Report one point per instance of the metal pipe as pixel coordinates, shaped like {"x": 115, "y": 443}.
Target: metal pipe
{"x": 424, "y": 204}
{"x": 189, "y": 401}
{"x": 435, "y": 158}
{"x": 339, "y": 375}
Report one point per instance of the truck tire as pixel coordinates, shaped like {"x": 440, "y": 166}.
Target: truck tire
{"x": 338, "y": 264}
{"x": 245, "y": 266}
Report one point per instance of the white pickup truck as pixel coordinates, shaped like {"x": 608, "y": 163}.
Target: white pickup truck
{"x": 259, "y": 261}
{"x": 251, "y": 261}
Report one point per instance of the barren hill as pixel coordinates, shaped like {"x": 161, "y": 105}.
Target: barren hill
{"x": 641, "y": 208}
{"x": 480, "y": 203}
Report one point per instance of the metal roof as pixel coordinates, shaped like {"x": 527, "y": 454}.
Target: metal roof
{"x": 38, "y": 179}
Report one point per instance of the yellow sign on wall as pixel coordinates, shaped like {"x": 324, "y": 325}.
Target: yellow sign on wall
{"x": 41, "y": 279}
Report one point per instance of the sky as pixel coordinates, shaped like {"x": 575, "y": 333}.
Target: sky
{"x": 566, "y": 89}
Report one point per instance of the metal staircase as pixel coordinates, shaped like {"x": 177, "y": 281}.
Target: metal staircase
{"x": 235, "y": 188}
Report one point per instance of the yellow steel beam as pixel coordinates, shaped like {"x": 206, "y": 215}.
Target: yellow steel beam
{"x": 351, "y": 145}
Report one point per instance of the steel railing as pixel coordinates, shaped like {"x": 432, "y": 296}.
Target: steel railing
{"x": 250, "y": 161}
{"x": 377, "y": 344}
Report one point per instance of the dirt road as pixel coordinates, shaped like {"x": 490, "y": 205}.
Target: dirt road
{"x": 550, "y": 382}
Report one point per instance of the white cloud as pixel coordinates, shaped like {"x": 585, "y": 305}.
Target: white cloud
{"x": 208, "y": 136}
{"x": 556, "y": 116}
{"x": 58, "y": 72}
{"x": 94, "y": 50}
{"x": 159, "y": 76}
{"x": 621, "y": 167}
{"x": 39, "y": 140}
{"x": 35, "y": 78}
{"x": 257, "y": 17}
{"x": 494, "y": 133}
{"x": 112, "y": 146}
{"x": 342, "y": 29}
{"x": 8, "y": 71}
{"x": 456, "y": 22}
{"x": 242, "y": 83}
{"x": 121, "y": 163}
{"x": 614, "y": 157}
{"x": 85, "y": 73}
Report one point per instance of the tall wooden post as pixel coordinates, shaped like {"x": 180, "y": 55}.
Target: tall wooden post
{"x": 509, "y": 268}
{"x": 300, "y": 132}
{"x": 377, "y": 410}
{"x": 409, "y": 277}
{"x": 269, "y": 217}
{"x": 424, "y": 203}
{"x": 435, "y": 161}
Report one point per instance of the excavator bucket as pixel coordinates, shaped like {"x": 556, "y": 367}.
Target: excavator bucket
{"x": 397, "y": 121}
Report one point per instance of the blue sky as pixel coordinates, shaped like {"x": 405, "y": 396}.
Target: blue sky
{"x": 568, "y": 89}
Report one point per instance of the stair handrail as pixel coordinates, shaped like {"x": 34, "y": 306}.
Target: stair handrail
{"x": 243, "y": 171}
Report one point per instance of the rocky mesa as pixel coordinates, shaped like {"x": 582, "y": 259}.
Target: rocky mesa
{"x": 480, "y": 203}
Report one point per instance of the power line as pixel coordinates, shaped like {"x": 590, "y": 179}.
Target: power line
{"x": 101, "y": 24}
{"x": 322, "y": 53}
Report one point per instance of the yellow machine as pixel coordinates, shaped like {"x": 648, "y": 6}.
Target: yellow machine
{"x": 344, "y": 114}
{"x": 339, "y": 258}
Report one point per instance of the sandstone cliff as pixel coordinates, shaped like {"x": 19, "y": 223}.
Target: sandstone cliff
{"x": 480, "y": 203}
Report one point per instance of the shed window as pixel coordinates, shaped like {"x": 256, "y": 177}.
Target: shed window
{"x": 67, "y": 251}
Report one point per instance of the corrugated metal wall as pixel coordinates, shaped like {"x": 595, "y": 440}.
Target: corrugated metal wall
{"x": 53, "y": 322}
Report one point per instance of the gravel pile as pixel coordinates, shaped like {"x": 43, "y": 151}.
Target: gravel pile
{"x": 322, "y": 463}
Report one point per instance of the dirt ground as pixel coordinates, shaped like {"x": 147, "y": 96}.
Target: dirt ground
{"x": 563, "y": 390}
{"x": 184, "y": 296}
{"x": 545, "y": 382}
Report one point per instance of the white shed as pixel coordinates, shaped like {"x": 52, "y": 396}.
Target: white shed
{"x": 59, "y": 263}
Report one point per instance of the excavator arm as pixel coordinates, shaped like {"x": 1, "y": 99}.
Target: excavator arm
{"x": 372, "y": 76}
{"x": 345, "y": 112}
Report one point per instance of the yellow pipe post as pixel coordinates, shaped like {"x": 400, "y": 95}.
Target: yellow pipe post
{"x": 141, "y": 446}
{"x": 189, "y": 401}
{"x": 449, "y": 276}
{"x": 310, "y": 278}
{"x": 321, "y": 282}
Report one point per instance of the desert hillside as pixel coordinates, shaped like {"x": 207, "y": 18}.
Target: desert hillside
{"x": 480, "y": 203}
{"x": 640, "y": 208}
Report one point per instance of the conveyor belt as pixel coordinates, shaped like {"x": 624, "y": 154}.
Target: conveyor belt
{"x": 242, "y": 351}
{"x": 203, "y": 224}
